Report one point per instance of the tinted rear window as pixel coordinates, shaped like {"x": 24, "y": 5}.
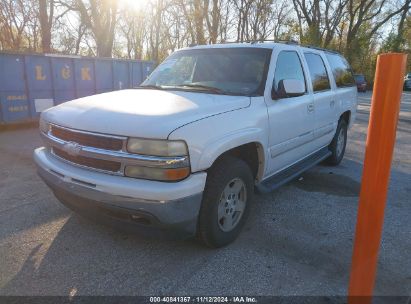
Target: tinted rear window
{"x": 341, "y": 70}
{"x": 318, "y": 73}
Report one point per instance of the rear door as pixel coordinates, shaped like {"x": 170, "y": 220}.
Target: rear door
{"x": 345, "y": 87}
{"x": 324, "y": 99}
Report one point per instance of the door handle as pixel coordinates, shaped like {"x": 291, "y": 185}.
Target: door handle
{"x": 332, "y": 103}
{"x": 310, "y": 107}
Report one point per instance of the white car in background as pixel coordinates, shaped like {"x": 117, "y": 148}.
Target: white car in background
{"x": 186, "y": 150}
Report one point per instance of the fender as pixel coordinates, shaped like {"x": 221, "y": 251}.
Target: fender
{"x": 348, "y": 102}
{"x": 219, "y": 146}
{"x": 209, "y": 138}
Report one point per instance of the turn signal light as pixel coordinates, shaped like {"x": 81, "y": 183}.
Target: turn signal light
{"x": 159, "y": 174}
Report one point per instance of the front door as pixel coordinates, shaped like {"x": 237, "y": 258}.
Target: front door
{"x": 291, "y": 120}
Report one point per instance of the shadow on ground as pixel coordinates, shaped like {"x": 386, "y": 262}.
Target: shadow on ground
{"x": 298, "y": 240}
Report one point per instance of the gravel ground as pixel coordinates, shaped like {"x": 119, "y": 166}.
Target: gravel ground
{"x": 298, "y": 239}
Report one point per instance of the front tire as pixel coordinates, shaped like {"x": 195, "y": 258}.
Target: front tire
{"x": 338, "y": 144}
{"x": 226, "y": 199}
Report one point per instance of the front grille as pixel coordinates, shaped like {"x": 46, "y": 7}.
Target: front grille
{"x": 85, "y": 139}
{"x": 99, "y": 164}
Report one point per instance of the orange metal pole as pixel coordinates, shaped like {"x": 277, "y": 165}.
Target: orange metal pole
{"x": 385, "y": 107}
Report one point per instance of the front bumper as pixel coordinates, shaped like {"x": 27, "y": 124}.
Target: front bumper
{"x": 148, "y": 204}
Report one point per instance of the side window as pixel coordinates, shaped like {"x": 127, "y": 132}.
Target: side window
{"x": 341, "y": 70}
{"x": 288, "y": 66}
{"x": 318, "y": 73}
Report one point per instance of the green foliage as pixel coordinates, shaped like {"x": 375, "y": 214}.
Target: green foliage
{"x": 393, "y": 43}
{"x": 312, "y": 36}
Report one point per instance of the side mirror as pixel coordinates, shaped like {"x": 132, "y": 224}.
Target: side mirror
{"x": 289, "y": 88}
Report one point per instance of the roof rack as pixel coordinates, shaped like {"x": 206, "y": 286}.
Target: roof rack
{"x": 273, "y": 40}
{"x": 254, "y": 42}
{"x": 320, "y": 48}
{"x": 292, "y": 42}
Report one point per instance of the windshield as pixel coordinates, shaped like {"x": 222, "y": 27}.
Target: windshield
{"x": 231, "y": 71}
{"x": 359, "y": 78}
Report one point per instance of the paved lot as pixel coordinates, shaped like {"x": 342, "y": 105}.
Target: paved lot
{"x": 298, "y": 240}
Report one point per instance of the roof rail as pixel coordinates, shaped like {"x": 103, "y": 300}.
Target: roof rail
{"x": 254, "y": 42}
{"x": 320, "y": 48}
{"x": 292, "y": 42}
{"x": 273, "y": 40}
{"x": 289, "y": 42}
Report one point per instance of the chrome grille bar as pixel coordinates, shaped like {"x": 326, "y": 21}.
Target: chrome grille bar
{"x": 122, "y": 157}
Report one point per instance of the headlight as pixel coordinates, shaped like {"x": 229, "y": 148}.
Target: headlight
{"x": 44, "y": 126}
{"x": 160, "y": 148}
{"x": 159, "y": 174}
{"x": 157, "y": 147}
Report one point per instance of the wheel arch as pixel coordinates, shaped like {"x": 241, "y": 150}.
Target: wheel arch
{"x": 251, "y": 153}
{"x": 346, "y": 116}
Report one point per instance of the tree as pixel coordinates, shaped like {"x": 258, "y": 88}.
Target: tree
{"x": 281, "y": 20}
{"x": 18, "y": 25}
{"x": 322, "y": 18}
{"x": 118, "y": 28}
{"x": 155, "y": 29}
{"x": 371, "y": 13}
{"x": 213, "y": 20}
{"x": 46, "y": 18}
{"x": 100, "y": 17}
{"x": 199, "y": 12}
{"x": 310, "y": 13}
{"x": 132, "y": 26}
{"x": 400, "y": 38}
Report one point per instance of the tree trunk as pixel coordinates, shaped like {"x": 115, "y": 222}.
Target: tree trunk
{"x": 46, "y": 22}
{"x": 101, "y": 19}
{"x": 199, "y": 21}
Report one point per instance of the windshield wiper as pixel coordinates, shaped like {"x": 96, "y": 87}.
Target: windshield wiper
{"x": 203, "y": 87}
{"x": 199, "y": 87}
{"x": 149, "y": 86}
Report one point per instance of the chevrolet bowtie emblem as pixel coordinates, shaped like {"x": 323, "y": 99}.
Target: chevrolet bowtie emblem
{"x": 72, "y": 148}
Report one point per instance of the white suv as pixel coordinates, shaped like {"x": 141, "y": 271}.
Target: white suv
{"x": 186, "y": 150}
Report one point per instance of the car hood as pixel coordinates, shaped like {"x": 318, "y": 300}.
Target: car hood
{"x": 141, "y": 112}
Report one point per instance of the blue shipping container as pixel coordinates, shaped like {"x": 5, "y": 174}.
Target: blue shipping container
{"x": 30, "y": 84}
{"x": 13, "y": 93}
{"x": 39, "y": 83}
{"x": 63, "y": 79}
{"x": 84, "y": 77}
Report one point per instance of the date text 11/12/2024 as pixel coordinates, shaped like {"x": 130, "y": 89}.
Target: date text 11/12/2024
{"x": 205, "y": 299}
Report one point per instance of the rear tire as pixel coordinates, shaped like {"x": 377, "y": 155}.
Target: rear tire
{"x": 338, "y": 144}
{"x": 226, "y": 202}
